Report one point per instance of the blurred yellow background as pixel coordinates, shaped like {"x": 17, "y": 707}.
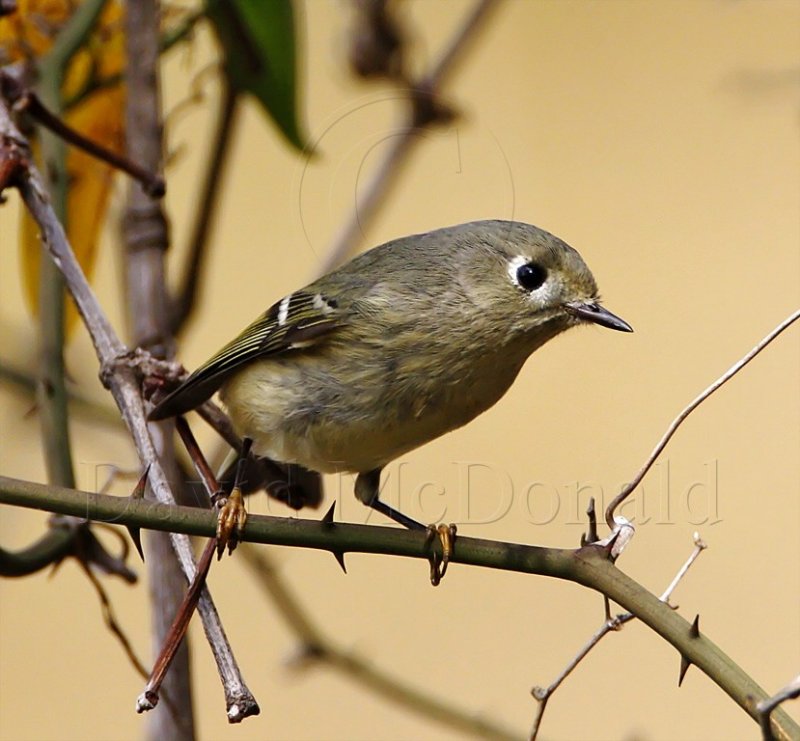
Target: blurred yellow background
{"x": 662, "y": 140}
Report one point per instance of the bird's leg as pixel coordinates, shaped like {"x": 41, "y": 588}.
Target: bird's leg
{"x": 447, "y": 537}
{"x": 231, "y": 512}
{"x": 367, "y": 490}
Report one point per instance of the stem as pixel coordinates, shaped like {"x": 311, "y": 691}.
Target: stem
{"x": 168, "y": 40}
{"x": 48, "y": 550}
{"x": 52, "y": 388}
{"x": 146, "y": 240}
{"x": 359, "y": 669}
{"x": 588, "y": 566}
{"x": 52, "y": 391}
{"x": 26, "y": 383}
{"x": 422, "y": 113}
{"x": 696, "y": 402}
{"x": 121, "y": 371}
{"x": 206, "y": 210}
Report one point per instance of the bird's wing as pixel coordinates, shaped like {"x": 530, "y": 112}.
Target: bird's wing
{"x": 298, "y": 321}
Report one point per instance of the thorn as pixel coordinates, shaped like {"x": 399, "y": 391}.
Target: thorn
{"x": 138, "y": 490}
{"x": 138, "y": 493}
{"x": 694, "y": 632}
{"x": 685, "y": 664}
{"x": 339, "y": 556}
{"x": 327, "y": 518}
{"x": 609, "y": 547}
{"x": 327, "y": 522}
{"x": 136, "y": 537}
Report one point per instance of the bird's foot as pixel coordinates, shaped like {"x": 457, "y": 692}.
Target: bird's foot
{"x": 439, "y": 561}
{"x": 231, "y": 518}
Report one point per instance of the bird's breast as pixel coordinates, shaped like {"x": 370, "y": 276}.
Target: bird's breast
{"x": 358, "y": 407}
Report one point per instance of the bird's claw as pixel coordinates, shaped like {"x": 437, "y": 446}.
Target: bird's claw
{"x": 231, "y": 518}
{"x": 439, "y": 561}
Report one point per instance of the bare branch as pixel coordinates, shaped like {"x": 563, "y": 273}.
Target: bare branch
{"x": 204, "y": 214}
{"x": 27, "y": 101}
{"x": 699, "y": 546}
{"x": 588, "y": 566}
{"x": 676, "y": 423}
{"x": 542, "y": 694}
{"x": 790, "y": 692}
{"x": 424, "y": 109}
{"x": 175, "y": 636}
{"x": 146, "y": 239}
{"x": 316, "y": 647}
{"x": 121, "y": 377}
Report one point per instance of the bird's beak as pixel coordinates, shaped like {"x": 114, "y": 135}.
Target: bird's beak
{"x": 590, "y": 311}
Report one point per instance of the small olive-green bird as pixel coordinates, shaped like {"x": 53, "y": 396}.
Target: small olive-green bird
{"x": 404, "y": 343}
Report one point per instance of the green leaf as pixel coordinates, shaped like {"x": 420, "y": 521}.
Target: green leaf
{"x": 258, "y": 39}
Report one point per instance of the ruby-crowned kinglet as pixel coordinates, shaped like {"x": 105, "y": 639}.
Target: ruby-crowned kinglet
{"x": 402, "y": 344}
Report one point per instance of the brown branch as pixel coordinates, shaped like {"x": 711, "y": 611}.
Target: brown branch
{"x": 425, "y": 109}
{"x": 120, "y": 374}
{"x": 27, "y": 101}
{"x": 204, "y": 213}
{"x": 146, "y": 239}
{"x": 678, "y": 421}
{"x": 175, "y": 638}
{"x": 611, "y": 624}
{"x": 176, "y": 633}
{"x": 110, "y": 619}
{"x": 316, "y": 647}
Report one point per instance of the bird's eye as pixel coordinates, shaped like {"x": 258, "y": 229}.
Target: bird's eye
{"x": 531, "y": 276}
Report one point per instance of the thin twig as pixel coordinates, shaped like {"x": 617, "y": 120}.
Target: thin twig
{"x": 699, "y": 546}
{"x": 177, "y": 632}
{"x": 177, "y": 629}
{"x": 205, "y": 212}
{"x": 220, "y": 423}
{"x": 610, "y": 624}
{"x": 27, "y": 101}
{"x": 424, "y": 109}
{"x": 542, "y": 694}
{"x": 122, "y": 379}
{"x": 83, "y": 405}
{"x": 169, "y": 39}
{"x": 676, "y": 423}
{"x": 111, "y": 621}
{"x": 790, "y": 692}
{"x": 52, "y": 390}
{"x": 316, "y": 646}
{"x": 198, "y": 459}
{"x": 72, "y": 36}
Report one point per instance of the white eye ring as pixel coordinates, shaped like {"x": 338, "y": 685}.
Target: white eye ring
{"x": 516, "y": 264}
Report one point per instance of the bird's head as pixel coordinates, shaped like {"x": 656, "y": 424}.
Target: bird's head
{"x": 531, "y": 281}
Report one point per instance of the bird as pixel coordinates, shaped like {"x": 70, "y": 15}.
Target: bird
{"x": 405, "y": 342}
